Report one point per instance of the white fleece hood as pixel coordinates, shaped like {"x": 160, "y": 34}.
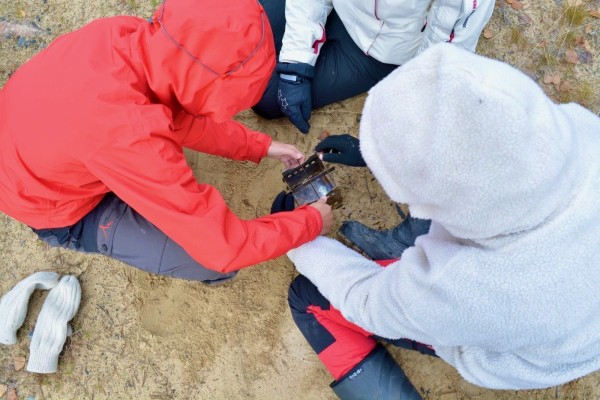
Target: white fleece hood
{"x": 477, "y": 176}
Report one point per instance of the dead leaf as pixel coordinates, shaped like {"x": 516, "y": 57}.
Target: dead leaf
{"x": 487, "y": 33}
{"x": 565, "y": 86}
{"x": 3, "y": 389}
{"x": 524, "y": 19}
{"x": 585, "y": 57}
{"x": 578, "y": 39}
{"x": 509, "y": 1}
{"x": 588, "y": 29}
{"x": 325, "y": 133}
{"x": 556, "y": 80}
{"x": 12, "y": 394}
{"x": 22, "y": 13}
{"x": 516, "y": 4}
{"x": 594, "y": 13}
{"x": 19, "y": 362}
{"x": 571, "y": 56}
{"x": 586, "y": 45}
{"x": 552, "y": 78}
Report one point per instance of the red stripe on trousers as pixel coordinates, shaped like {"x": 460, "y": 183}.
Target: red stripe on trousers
{"x": 352, "y": 343}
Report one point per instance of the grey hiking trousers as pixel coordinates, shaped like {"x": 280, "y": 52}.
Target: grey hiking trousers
{"x": 116, "y": 230}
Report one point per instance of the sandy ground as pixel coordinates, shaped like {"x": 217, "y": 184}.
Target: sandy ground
{"x": 140, "y": 336}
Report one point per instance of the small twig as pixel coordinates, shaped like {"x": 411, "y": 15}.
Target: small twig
{"x": 105, "y": 312}
{"x": 368, "y": 190}
{"x": 504, "y": 14}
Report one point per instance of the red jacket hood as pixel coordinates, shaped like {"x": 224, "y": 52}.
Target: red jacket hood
{"x": 213, "y": 58}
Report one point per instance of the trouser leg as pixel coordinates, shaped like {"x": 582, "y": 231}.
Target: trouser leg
{"x": 361, "y": 368}
{"x": 342, "y": 70}
{"x": 275, "y": 10}
{"x": 377, "y": 377}
{"x": 114, "y": 229}
{"x": 268, "y": 106}
{"x": 339, "y": 344}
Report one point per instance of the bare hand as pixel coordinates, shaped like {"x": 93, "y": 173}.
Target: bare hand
{"x": 288, "y": 154}
{"x": 326, "y": 214}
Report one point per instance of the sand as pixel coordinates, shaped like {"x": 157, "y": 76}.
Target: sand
{"x": 141, "y": 336}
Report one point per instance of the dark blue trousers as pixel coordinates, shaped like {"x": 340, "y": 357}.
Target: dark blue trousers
{"x": 303, "y": 294}
{"x": 342, "y": 70}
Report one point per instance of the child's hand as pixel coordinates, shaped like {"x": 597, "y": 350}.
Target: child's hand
{"x": 326, "y": 214}
{"x": 288, "y": 154}
{"x": 341, "y": 149}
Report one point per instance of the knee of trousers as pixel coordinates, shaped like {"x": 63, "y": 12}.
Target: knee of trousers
{"x": 303, "y": 293}
{"x": 268, "y": 106}
{"x": 268, "y": 109}
{"x": 125, "y": 235}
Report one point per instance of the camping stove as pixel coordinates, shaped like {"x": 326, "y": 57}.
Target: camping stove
{"x": 310, "y": 181}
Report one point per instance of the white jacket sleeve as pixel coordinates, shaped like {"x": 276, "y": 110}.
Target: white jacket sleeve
{"x": 304, "y": 30}
{"x": 461, "y": 20}
{"x": 364, "y": 292}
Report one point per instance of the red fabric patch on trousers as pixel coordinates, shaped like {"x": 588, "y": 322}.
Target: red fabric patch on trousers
{"x": 352, "y": 343}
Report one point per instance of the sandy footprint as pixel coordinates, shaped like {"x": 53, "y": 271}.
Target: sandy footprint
{"x": 159, "y": 313}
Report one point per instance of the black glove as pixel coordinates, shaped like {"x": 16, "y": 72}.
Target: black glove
{"x": 294, "y": 93}
{"x": 341, "y": 149}
{"x": 283, "y": 202}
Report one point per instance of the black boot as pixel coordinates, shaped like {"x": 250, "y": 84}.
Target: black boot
{"x": 377, "y": 377}
{"x": 387, "y": 244}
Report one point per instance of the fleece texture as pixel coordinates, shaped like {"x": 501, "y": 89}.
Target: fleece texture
{"x": 52, "y": 327}
{"x": 13, "y": 305}
{"x": 505, "y": 284}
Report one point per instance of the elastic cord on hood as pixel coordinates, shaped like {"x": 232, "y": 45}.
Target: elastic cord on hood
{"x": 469, "y": 142}
{"x": 162, "y": 23}
{"x": 213, "y": 58}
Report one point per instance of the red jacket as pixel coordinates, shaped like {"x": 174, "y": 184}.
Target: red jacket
{"x": 109, "y": 108}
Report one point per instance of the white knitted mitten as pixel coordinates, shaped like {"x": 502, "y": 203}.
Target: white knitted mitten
{"x": 13, "y": 306}
{"x": 51, "y": 328}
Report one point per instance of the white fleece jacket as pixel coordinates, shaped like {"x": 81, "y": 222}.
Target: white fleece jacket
{"x": 505, "y": 286}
